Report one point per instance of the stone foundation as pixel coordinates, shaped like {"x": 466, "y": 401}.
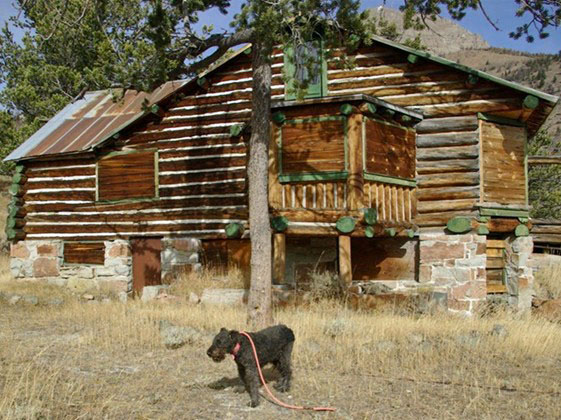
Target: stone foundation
{"x": 455, "y": 264}
{"x": 43, "y": 260}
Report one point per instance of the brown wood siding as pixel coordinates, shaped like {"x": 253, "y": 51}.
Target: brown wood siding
{"x": 313, "y": 146}
{"x": 502, "y": 166}
{"x": 125, "y": 176}
{"x": 390, "y": 150}
{"x": 84, "y": 253}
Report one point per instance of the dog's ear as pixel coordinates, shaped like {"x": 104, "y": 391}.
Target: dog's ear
{"x": 223, "y": 329}
{"x": 233, "y": 334}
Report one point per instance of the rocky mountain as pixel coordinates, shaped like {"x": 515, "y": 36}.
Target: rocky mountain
{"x": 450, "y": 40}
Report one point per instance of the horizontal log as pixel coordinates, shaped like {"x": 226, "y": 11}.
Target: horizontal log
{"x": 544, "y": 160}
{"x": 546, "y": 229}
{"x": 546, "y": 222}
{"x": 452, "y": 165}
{"x": 61, "y": 195}
{"x": 161, "y": 215}
{"x": 444, "y": 153}
{"x": 444, "y": 205}
{"x": 121, "y": 228}
{"x": 438, "y": 125}
{"x": 448, "y": 179}
{"x": 543, "y": 238}
{"x": 460, "y": 138}
{"x": 468, "y": 107}
{"x": 56, "y": 172}
{"x": 447, "y": 193}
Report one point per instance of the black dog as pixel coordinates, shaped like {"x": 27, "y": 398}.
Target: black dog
{"x": 273, "y": 344}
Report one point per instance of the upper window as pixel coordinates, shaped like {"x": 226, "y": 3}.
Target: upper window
{"x": 503, "y": 164}
{"x": 313, "y": 148}
{"x": 306, "y": 70}
{"x": 127, "y": 175}
{"x": 389, "y": 150}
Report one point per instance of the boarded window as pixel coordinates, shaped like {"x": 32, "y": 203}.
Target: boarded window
{"x": 84, "y": 252}
{"x": 313, "y": 145}
{"x": 127, "y": 175}
{"x": 503, "y": 170}
{"x": 389, "y": 149}
{"x": 383, "y": 259}
{"x": 225, "y": 254}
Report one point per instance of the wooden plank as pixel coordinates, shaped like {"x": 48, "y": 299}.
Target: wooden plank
{"x": 84, "y": 253}
{"x": 496, "y": 288}
{"x": 496, "y": 243}
{"x": 495, "y": 252}
{"x": 345, "y": 261}
{"x": 495, "y": 262}
{"x": 279, "y": 258}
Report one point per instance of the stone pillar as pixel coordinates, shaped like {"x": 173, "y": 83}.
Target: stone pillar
{"x": 519, "y": 274}
{"x": 455, "y": 264}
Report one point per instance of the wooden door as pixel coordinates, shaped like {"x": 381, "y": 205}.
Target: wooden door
{"x": 146, "y": 263}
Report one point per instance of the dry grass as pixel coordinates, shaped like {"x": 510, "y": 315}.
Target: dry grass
{"x": 209, "y": 278}
{"x": 81, "y": 360}
{"x": 548, "y": 282}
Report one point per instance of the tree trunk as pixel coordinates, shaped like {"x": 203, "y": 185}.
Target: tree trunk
{"x": 259, "y": 305}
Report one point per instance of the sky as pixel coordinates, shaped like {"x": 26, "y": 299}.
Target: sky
{"x": 501, "y": 12}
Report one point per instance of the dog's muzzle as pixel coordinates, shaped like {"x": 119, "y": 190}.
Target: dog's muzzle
{"x": 216, "y": 354}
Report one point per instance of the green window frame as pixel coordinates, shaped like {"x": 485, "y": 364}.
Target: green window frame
{"x": 315, "y": 176}
{"x": 291, "y": 65}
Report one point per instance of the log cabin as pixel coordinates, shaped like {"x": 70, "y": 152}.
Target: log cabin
{"x": 406, "y": 170}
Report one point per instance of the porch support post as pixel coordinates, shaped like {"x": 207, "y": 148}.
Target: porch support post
{"x": 345, "y": 267}
{"x": 279, "y": 258}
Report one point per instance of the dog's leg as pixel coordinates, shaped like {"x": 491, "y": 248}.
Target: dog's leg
{"x": 285, "y": 369}
{"x": 241, "y": 373}
{"x": 252, "y": 379}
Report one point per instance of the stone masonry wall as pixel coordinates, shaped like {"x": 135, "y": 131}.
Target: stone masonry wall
{"x": 43, "y": 260}
{"x": 519, "y": 273}
{"x": 179, "y": 255}
{"x": 455, "y": 264}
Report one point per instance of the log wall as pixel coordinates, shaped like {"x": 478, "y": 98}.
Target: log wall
{"x": 202, "y": 179}
{"x": 202, "y": 183}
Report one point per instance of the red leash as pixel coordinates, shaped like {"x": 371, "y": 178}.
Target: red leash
{"x": 275, "y": 400}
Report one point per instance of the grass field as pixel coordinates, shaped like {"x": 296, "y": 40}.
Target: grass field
{"x": 107, "y": 360}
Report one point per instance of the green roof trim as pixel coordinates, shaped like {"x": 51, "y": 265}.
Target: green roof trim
{"x": 500, "y": 120}
{"x": 542, "y": 95}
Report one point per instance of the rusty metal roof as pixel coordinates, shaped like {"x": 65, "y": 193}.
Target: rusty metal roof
{"x": 90, "y": 121}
